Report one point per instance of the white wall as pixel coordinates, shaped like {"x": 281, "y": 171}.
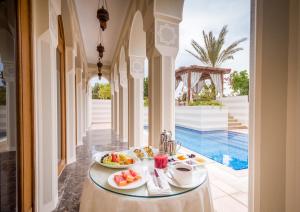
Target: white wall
{"x": 202, "y": 117}
{"x": 101, "y": 111}
{"x": 199, "y": 117}
{"x": 238, "y": 106}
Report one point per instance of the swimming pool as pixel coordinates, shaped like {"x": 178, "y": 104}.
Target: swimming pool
{"x": 225, "y": 147}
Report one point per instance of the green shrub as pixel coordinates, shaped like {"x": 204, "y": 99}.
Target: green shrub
{"x": 101, "y": 91}
{"x": 240, "y": 82}
{"x": 205, "y": 103}
{"x": 146, "y": 102}
{"x": 104, "y": 91}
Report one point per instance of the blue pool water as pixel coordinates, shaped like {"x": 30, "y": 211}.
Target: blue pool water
{"x": 226, "y": 147}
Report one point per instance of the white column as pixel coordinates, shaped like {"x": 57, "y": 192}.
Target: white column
{"x": 79, "y": 107}
{"x": 136, "y": 101}
{"x": 123, "y": 107}
{"x": 161, "y": 57}
{"x": 89, "y": 107}
{"x": 46, "y": 122}
{"x": 83, "y": 108}
{"x": 112, "y": 90}
{"x": 70, "y": 105}
{"x": 116, "y": 101}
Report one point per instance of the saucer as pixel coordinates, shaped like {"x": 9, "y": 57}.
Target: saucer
{"x": 198, "y": 178}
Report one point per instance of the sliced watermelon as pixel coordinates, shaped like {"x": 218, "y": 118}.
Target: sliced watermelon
{"x": 124, "y": 174}
{"x": 119, "y": 180}
{"x": 132, "y": 173}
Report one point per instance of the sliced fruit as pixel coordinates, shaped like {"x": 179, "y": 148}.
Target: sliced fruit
{"x": 124, "y": 174}
{"x": 132, "y": 173}
{"x": 120, "y": 180}
{"x": 129, "y": 161}
{"x": 130, "y": 178}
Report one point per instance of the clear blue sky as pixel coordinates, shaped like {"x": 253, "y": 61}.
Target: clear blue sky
{"x": 212, "y": 15}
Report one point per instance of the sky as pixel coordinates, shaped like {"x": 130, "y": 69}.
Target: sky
{"x": 212, "y": 15}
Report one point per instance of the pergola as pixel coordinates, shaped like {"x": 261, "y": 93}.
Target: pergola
{"x": 193, "y": 78}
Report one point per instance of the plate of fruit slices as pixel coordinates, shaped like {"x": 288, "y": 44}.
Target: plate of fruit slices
{"x": 115, "y": 160}
{"x": 127, "y": 179}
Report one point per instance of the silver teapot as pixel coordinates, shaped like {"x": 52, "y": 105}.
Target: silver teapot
{"x": 167, "y": 145}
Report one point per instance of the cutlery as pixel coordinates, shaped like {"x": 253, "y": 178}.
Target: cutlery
{"x": 171, "y": 176}
{"x": 158, "y": 179}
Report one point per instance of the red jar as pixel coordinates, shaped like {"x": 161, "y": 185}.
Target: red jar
{"x": 161, "y": 161}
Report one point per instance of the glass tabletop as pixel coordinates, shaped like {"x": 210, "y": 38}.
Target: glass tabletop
{"x": 99, "y": 175}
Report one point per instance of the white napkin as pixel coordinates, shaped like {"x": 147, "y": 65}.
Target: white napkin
{"x": 154, "y": 189}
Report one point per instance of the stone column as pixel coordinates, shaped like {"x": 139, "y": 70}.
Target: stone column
{"x": 70, "y": 104}
{"x": 89, "y": 107}
{"x": 135, "y": 101}
{"x": 79, "y": 105}
{"x": 112, "y": 90}
{"x": 116, "y": 101}
{"x": 123, "y": 106}
{"x": 83, "y": 103}
{"x": 162, "y": 47}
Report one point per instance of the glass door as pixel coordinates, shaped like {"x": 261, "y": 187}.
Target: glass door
{"x": 8, "y": 106}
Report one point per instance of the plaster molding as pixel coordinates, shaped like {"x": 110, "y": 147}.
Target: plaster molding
{"x": 137, "y": 67}
{"x": 123, "y": 79}
{"x": 167, "y": 34}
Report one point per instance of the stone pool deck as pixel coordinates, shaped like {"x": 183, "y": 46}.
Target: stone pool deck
{"x": 229, "y": 188}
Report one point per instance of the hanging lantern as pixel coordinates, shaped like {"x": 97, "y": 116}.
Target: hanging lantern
{"x": 99, "y": 75}
{"x": 99, "y": 65}
{"x": 103, "y": 16}
{"x": 100, "y": 49}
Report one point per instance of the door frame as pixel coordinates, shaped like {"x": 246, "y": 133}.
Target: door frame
{"x": 25, "y": 108}
{"x": 62, "y": 72}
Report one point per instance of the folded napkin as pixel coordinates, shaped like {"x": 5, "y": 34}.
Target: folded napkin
{"x": 153, "y": 185}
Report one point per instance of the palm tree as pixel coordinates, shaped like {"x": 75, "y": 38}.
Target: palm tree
{"x": 213, "y": 54}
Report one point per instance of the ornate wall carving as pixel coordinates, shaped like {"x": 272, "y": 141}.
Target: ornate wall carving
{"x": 167, "y": 34}
{"x": 137, "y": 66}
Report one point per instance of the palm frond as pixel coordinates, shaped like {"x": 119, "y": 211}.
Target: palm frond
{"x": 212, "y": 53}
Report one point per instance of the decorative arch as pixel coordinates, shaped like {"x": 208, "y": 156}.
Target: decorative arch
{"x": 123, "y": 68}
{"x": 137, "y": 56}
{"x": 137, "y": 36}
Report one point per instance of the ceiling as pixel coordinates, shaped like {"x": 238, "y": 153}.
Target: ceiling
{"x": 89, "y": 25}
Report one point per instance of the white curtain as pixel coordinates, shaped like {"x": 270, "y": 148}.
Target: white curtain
{"x": 199, "y": 86}
{"x": 195, "y": 77}
{"x": 217, "y": 80}
{"x": 177, "y": 83}
{"x": 184, "y": 78}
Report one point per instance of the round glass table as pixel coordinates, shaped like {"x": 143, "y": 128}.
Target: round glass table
{"x": 99, "y": 175}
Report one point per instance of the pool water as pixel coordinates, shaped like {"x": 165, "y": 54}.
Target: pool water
{"x": 225, "y": 147}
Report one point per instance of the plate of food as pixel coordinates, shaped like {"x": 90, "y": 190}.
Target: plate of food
{"x": 146, "y": 152}
{"x": 127, "y": 179}
{"x": 115, "y": 160}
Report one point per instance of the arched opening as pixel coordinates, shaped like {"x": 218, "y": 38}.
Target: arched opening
{"x": 99, "y": 102}
{"x": 137, "y": 57}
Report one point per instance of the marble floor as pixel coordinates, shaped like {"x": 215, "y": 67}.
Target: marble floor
{"x": 71, "y": 179}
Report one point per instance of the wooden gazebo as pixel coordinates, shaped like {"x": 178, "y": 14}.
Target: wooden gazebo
{"x": 195, "y": 75}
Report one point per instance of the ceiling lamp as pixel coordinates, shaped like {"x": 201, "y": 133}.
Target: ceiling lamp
{"x": 103, "y": 15}
{"x": 99, "y": 66}
{"x": 100, "y": 50}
